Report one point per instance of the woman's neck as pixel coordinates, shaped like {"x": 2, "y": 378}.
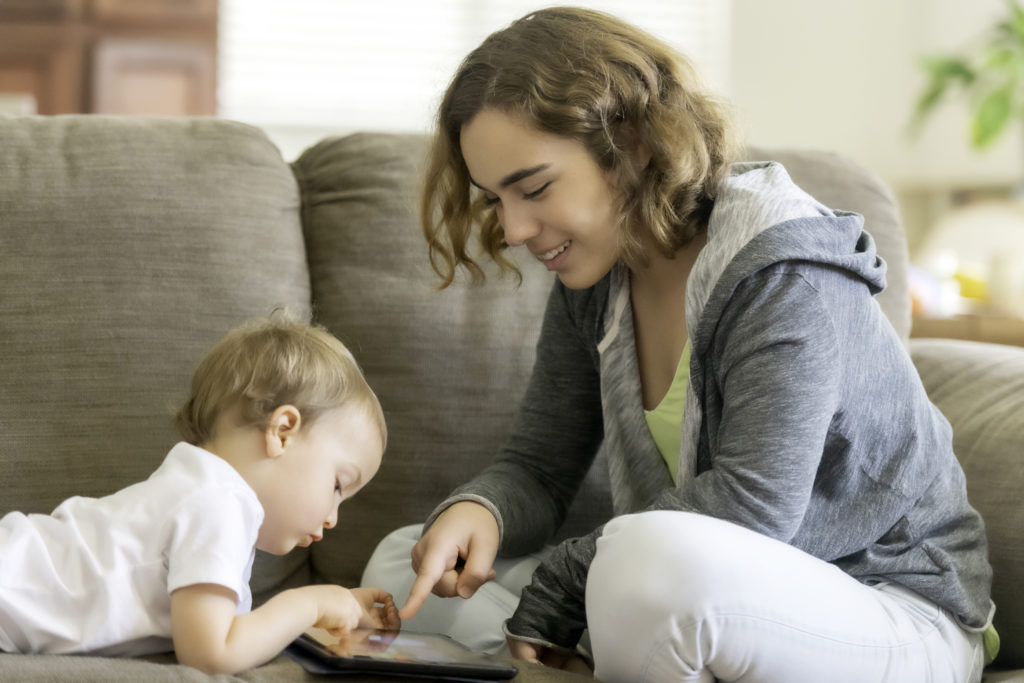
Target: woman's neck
{"x": 663, "y": 277}
{"x": 658, "y": 295}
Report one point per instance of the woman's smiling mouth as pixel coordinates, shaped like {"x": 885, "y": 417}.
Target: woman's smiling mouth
{"x": 548, "y": 255}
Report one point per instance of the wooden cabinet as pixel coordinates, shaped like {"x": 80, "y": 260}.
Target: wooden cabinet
{"x": 984, "y": 328}
{"x": 111, "y": 56}
{"x": 139, "y": 76}
{"x": 156, "y": 11}
{"x": 45, "y": 63}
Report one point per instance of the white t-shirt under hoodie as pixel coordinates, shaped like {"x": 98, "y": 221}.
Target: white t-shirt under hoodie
{"x": 97, "y": 574}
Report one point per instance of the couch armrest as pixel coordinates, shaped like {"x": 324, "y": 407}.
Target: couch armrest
{"x": 980, "y": 389}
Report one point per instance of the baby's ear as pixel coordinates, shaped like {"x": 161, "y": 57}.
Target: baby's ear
{"x": 282, "y": 427}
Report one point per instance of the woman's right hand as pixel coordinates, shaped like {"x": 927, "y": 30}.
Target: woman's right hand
{"x": 455, "y": 556}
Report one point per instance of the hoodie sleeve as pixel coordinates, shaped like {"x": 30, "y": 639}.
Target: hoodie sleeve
{"x": 772, "y": 379}
{"x": 556, "y": 434}
{"x": 552, "y": 608}
{"x": 775, "y": 385}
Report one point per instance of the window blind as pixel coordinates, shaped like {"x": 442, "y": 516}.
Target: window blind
{"x": 307, "y": 68}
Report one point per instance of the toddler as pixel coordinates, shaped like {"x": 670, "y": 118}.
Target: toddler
{"x": 279, "y": 429}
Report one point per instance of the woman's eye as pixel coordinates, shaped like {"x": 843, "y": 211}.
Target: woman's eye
{"x": 337, "y": 486}
{"x": 536, "y": 193}
{"x": 491, "y": 200}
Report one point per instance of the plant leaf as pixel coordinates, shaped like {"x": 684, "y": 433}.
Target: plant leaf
{"x": 943, "y": 72}
{"x": 949, "y": 69}
{"x": 991, "y": 117}
{"x": 1017, "y": 19}
{"x": 1000, "y": 57}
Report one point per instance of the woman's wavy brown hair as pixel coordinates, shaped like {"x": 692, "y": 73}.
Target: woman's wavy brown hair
{"x": 588, "y": 76}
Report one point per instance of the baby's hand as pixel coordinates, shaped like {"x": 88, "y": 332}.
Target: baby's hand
{"x": 379, "y": 609}
{"x": 338, "y": 610}
{"x": 342, "y": 610}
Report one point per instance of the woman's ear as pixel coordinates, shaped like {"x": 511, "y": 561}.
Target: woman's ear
{"x": 282, "y": 428}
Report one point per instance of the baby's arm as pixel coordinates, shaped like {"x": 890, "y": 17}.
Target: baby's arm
{"x": 209, "y": 636}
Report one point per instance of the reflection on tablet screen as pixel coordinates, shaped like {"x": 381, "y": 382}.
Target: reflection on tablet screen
{"x": 407, "y": 652}
{"x": 391, "y": 645}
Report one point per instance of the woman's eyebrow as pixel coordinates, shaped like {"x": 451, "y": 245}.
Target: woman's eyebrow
{"x": 515, "y": 176}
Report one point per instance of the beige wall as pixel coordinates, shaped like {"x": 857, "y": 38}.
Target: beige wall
{"x": 844, "y": 76}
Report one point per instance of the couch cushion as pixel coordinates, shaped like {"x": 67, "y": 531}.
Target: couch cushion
{"x": 980, "y": 389}
{"x": 129, "y": 246}
{"x": 164, "y": 669}
{"x": 449, "y": 366}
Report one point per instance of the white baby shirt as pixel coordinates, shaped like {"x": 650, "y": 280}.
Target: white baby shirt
{"x": 96, "y": 575}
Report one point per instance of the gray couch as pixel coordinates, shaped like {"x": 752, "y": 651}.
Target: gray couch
{"x": 130, "y": 244}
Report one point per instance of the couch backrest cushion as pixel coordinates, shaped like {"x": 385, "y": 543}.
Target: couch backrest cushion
{"x": 129, "y": 245}
{"x": 449, "y": 366}
{"x": 980, "y": 389}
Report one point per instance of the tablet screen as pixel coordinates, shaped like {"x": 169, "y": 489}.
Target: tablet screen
{"x": 374, "y": 650}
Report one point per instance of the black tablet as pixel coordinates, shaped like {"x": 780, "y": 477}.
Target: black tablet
{"x": 409, "y": 653}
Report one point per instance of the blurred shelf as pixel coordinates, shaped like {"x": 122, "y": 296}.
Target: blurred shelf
{"x": 110, "y": 56}
{"x": 983, "y": 328}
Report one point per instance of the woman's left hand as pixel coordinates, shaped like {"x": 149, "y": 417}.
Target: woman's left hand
{"x": 531, "y": 652}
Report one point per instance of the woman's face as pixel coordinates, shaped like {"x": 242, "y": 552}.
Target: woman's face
{"x": 549, "y": 193}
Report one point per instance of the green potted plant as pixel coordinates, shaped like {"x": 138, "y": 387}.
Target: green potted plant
{"x": 990, "y": 73}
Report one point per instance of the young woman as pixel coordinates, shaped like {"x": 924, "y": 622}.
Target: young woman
{"x": 788, "y": 504}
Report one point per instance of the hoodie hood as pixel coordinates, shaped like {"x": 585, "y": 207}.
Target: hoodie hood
{"x": 761, "y": 218}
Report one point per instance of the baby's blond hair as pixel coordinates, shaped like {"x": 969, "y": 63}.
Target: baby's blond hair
{"x": 269, "y": 363}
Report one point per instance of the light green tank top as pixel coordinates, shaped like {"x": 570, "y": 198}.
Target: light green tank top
{"x": 666, "y": 419}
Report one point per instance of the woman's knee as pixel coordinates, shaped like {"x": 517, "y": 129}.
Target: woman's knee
{"x": 651, "y": 573}
{"x": 392, "y": 556}
{"x": 658, "y": 569}
{"x": 647, "y": 556}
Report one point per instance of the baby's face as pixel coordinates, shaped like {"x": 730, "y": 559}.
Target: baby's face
{"x": 326, "y": 463}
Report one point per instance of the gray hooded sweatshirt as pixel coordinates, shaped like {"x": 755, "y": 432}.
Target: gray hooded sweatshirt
{"x": 805, "y": 419}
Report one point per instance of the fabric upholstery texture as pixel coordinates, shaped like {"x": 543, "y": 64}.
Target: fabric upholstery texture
{"x": 980, "y": 389}
{"x": 129, "y": 247}
{"x": 165, "y": 669}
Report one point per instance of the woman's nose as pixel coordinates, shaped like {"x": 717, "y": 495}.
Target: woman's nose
{"x": 518, "y": 224}
{"x": 332, "y": 520}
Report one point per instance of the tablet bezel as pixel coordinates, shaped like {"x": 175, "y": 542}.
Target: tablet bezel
{"x": 476, "y": 666}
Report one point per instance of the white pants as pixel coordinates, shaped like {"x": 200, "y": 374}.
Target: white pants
{"x": 674, "y": 596}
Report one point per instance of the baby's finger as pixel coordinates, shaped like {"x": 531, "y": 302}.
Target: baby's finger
{"x": 377, "y": 595}
{"x": 390, "y": 619}
{"x": 372, "y": 619}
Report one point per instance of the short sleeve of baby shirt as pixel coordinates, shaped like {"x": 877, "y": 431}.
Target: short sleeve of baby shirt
{"x": 212, "y": 539}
